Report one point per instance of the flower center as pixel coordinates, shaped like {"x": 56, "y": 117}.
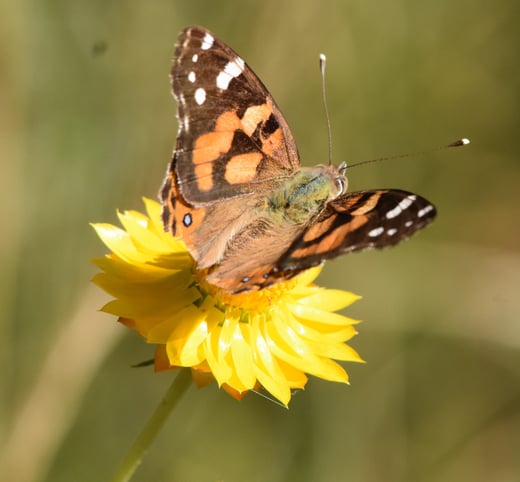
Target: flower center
{"x": 257, "y": 300}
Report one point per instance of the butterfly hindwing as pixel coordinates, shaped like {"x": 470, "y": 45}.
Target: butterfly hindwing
{"x": 352, "y": 222}
{"x": 357, "y": 221}
{"x": 232, "y": 137}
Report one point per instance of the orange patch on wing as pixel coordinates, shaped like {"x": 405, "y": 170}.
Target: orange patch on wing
{"x": 273, "y": 143}
{"x": 187, "y": 233}
{"x": 316, "y": 230}
{"x": 228, "y": 122}
{"x": 368, "y": 205}
{"x": 337, "y": 237}
{"x": 204, "y": 176}
{"x": 333, "y": 241}
{"x": 254, "y": 115}
{"x": 242, "y": 168}
{"x": 210, "y": 146}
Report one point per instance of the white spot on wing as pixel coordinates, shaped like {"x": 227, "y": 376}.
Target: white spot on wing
{"x": 391, "y": 231}
{"x": 191, "y": 77}
{"x": 408, "y": 223}
{"x": 200, "y": 96}
{"x": 376, "y": 232}
{"x": 232, "y": 70}
{"x": 207, "y": 41}
{"x": 394, "y": 212}
{"x": 195, "y": 58}
{"x": 425, "y": 210}
{"x": 403, "y": 204}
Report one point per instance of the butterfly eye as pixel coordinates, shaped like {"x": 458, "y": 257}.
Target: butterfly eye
{"x": 341, "y": 184}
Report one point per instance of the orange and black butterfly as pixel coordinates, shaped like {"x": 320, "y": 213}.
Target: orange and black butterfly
{"x": 236, "y": 194}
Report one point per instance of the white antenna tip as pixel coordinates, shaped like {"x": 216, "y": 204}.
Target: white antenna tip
{"x": 458, "y": 143}
{"x": 323, "y": 61}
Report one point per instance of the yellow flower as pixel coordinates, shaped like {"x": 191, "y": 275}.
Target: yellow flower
{"x": 269, "y": 338}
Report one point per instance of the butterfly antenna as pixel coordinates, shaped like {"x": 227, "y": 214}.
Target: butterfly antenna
{"x": 457, "y": 143}
{"x": 323, "y": 61}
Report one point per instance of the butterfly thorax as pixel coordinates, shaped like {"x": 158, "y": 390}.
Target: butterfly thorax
{"x": 304, "y": 196}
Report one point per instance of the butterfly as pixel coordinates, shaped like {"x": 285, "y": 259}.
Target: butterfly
{"x": 235, "y": 192}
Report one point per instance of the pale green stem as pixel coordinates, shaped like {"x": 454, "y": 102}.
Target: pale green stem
{"x": 136, "y": 453}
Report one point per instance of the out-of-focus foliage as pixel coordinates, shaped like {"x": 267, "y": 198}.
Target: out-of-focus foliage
{"x": 87, "y": 125}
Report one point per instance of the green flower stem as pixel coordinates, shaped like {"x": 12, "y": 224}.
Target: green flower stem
{"x": 136, "y": 453}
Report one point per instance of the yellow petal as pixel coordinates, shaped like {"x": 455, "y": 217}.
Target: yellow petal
{"x": 337, "y": 351}
{"x": 118, "y": 242}
{"x": 119, "y": 268}
{"x": 219, "y": 367}
{"x": 320, "y": 331}
{"x": 320, "y": 316}
{"x": 173, "y": 327}
{"x": 331, "y": 300}
{"x": 145, "y": 240}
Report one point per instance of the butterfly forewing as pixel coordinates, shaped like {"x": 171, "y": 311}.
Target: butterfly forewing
{"x": 232, "y": 138}
{"x": 357, "y": 221}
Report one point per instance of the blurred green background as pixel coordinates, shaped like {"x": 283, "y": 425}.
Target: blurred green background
{"x": 88, "y": 125}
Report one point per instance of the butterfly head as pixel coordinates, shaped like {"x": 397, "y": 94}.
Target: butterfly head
{"x": 341, "y": 178}
{"x": 329, "y": 180}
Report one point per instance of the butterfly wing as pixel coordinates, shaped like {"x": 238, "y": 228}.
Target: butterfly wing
{"x": 356, "y": 221}
{"x": 232, "y": 139}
